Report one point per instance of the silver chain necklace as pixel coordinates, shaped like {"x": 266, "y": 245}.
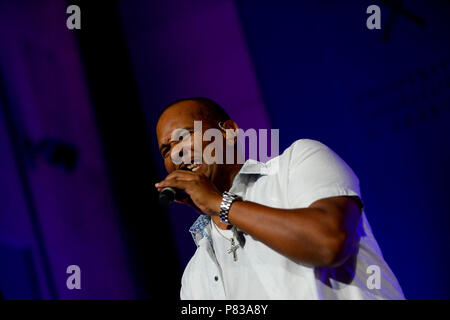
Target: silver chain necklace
{"x": 234, "y": 246}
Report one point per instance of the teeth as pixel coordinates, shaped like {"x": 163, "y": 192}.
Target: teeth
{"x": 192, "y": 167}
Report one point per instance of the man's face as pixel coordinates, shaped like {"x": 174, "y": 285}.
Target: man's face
{"x": 182, "y": 116}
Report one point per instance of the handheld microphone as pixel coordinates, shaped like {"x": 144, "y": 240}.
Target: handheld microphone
{"x": 167, "y": 195}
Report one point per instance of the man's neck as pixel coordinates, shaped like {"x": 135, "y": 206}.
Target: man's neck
{"x": 225, "y": 178}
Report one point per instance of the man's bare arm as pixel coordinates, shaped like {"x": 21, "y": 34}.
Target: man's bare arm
{"x": 321, "y": 235}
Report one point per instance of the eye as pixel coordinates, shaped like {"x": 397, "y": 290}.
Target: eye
{"x": 187, "y": 133}
{"x": 165, "y": 151}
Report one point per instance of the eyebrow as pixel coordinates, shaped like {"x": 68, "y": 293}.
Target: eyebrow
{"x": 165, "y": 145}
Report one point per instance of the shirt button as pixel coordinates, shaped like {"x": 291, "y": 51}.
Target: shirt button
{"x": 216, "y": 278}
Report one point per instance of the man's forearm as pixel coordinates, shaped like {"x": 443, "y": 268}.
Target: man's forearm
{"x": 311, "y": 236}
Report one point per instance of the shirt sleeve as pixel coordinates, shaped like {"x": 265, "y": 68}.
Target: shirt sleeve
{"x": 316, "y": 172}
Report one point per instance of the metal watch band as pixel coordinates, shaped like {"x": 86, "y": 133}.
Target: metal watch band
{"x": 225, "y": 205}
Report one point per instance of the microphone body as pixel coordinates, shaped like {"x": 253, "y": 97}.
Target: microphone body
{"x": 167, "y": 195}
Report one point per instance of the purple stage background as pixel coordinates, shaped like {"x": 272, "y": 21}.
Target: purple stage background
{"x": 78, "y": 151}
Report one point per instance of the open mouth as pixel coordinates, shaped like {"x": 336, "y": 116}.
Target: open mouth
{"x": 192, "y": 167}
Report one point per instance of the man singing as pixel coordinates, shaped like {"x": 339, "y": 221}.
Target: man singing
{"x": 290, "y": 228}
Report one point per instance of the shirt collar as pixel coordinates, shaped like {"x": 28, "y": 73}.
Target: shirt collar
{"x": 200, "y": 228}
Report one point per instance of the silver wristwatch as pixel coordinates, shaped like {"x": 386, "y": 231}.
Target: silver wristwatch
{"x": 227, "y": 200}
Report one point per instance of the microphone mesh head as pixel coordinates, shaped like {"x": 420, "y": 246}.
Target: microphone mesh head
{"x": 166, "y": 196}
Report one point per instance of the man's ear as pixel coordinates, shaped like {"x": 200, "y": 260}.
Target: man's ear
{"x": 229, "y": 124}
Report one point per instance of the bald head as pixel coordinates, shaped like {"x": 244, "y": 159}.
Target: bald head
{"x": 201, "y": 108}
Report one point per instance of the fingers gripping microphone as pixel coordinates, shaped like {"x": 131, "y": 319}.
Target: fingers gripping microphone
{"x": 167, "y": 195}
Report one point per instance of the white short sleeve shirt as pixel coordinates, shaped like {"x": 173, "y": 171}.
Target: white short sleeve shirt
{"x": 306, "y": 171}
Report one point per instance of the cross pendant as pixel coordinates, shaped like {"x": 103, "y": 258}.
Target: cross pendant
{"x": 233, "y": 249}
